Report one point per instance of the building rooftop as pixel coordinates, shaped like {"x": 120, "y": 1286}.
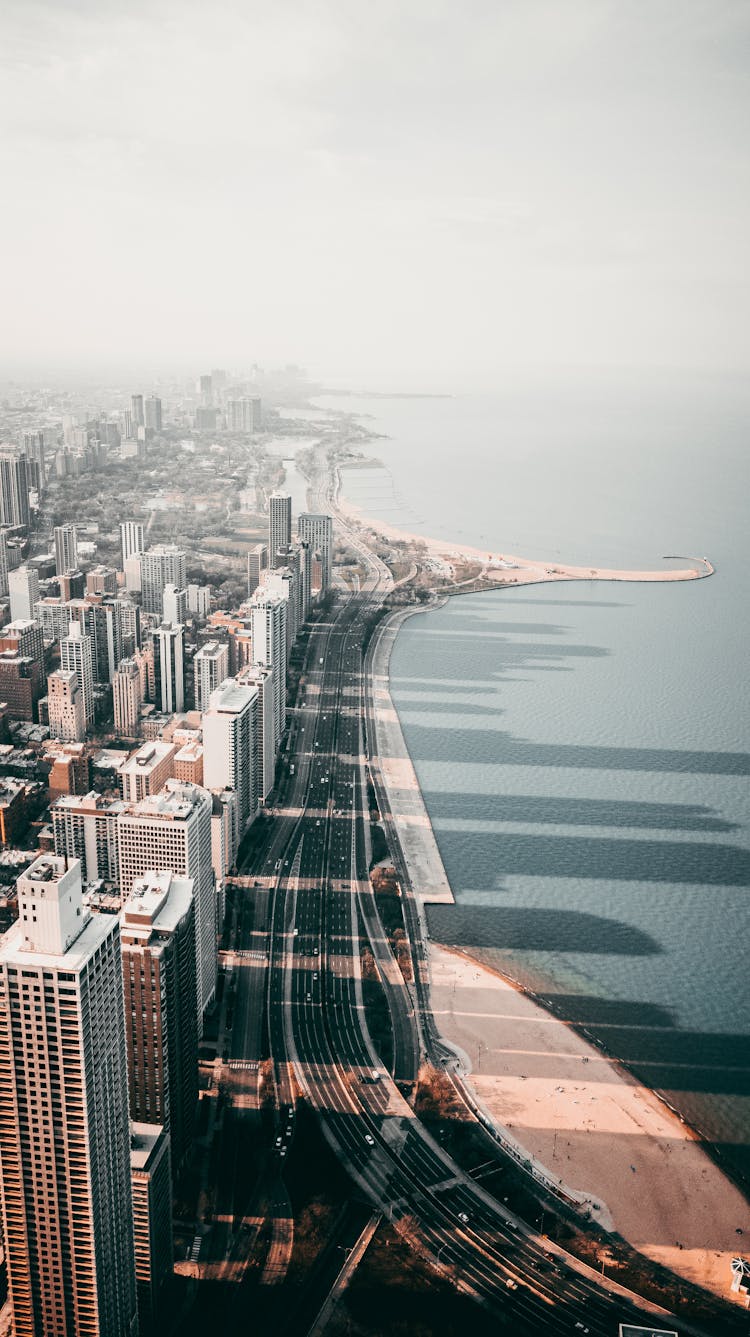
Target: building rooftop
{"x": 177, "y": 800}
{"x": 157, "y": 900}
{"x": 144, "y": 1140}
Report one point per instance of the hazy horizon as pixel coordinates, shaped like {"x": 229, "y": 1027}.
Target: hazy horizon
{"x": 394, "y": 197}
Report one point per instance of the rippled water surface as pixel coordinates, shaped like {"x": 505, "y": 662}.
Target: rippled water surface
{"x": 583, "y": 748}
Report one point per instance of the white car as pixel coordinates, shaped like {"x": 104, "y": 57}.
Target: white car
{"x": 463, "y": 1216}
{"x": 370, "y": 1140}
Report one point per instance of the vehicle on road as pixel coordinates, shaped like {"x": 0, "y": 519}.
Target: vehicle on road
{"x": 369, "y": 1139}
{"x": 511, "y": 1284}
{"x": 463, "y": 1216}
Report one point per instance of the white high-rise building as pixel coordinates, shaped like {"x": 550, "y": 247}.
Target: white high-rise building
{"x": 76, "y": 653}
{"x": 210, "y": 667}
{"x": 229, "y": 727}
{"x": 199, "y": 600}
{"x": 169, "y": 667}
{"x": 131, "y": 539}
{"x": 64, "y": 1129}
{"x": 67, "y": 716}
{"x": 23, "y": 588}
{"x": 66, "y": 549}
{"x": 317, "y": 530}
{"x": 145, "y": 773}
{"x": 173, "y": 830}
{"x": 162, "y": 565}
{"x": 283, "y": 581}
{"x": 268, "y": 613}
{"x": 279, "y": 524}
{"x": 260, "y": 677}
{"x": 127, "y": 698}
{"x": 174, "y": 604}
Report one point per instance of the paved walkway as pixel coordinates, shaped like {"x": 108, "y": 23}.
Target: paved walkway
{"x": 420, "y": 850}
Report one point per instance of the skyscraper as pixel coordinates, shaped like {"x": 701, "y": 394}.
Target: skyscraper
{"x": 244, "y": 415}
{"x": 33, "y": 449}
{"x": 279, "y": 523}
{"x": 157, "y": 924}
{"x": 174, "y": 604}
{"x": 64, "y": 1132}
{"x": 169, "y": 667}
{"x": 152, "y": 413}
{"x": 173, "y": 830}
{"x": 127, "y": 698}
{"x": 144, "y": 773}
{"x": 229, "y": 727}
{"x": 14, "y": 490}
{"x": 66, "y": 549}
{"x": 317, "y": 530}
{"x": 161, "y": 565}
{"x": 260, "y": 677}
{"x": 85, "y": 828}
{"x": 76, "y": 653}
{"x": 67, "y": 716}
{"x": 257, "y": 561}
{"x": 268, "y": 613}
{"x": 136, "y": 402}
{"x": 23, "y": 588}
{"x": 131, "y": 539}
{"x": 210, "y": 667}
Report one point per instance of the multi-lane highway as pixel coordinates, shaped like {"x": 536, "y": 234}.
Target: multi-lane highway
{"x": 318, "y": 912}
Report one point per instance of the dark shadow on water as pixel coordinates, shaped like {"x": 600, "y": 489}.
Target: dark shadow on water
{"x": 665, "y": 1057}
{"x": 517, "y": 652}
{"x": 517, "y": 929}
{"x": 604, "y": 860}
{"x": 573, "y": 811}
{"x": 566, "y": 603}
{"x": 503, "y": 749}
{"x": 408, "y": 707}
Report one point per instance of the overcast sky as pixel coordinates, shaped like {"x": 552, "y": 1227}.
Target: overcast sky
{"x": 400, "y": 192}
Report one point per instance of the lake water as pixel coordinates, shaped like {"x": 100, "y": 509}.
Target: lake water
{"x": 583, "y": 749}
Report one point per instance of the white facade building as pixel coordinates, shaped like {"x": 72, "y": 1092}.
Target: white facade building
{"x": 229, "y": 727}
{"x": 210, "y": 667}
{"x": 23, "y": 588}
{"x": 67, "y": 715}
{"x": 268, "y": 613}
{"x": 66, "y": 549}
{"x": 76, "y": 653}
{"x": 160, "y": 566}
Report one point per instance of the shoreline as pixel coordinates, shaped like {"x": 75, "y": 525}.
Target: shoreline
{"x": 509, "y": 569}
{"x": 684, "y": 1175}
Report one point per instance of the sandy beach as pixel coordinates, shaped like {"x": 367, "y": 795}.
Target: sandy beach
{"x": 590, "y": 1124}
{"x": 510, "y": 569}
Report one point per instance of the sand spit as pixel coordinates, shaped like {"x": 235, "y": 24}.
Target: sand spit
{"x": 510, "y": 569}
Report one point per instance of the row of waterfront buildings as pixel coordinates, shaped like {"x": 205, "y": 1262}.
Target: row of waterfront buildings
{"x": 109, "y": 970}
